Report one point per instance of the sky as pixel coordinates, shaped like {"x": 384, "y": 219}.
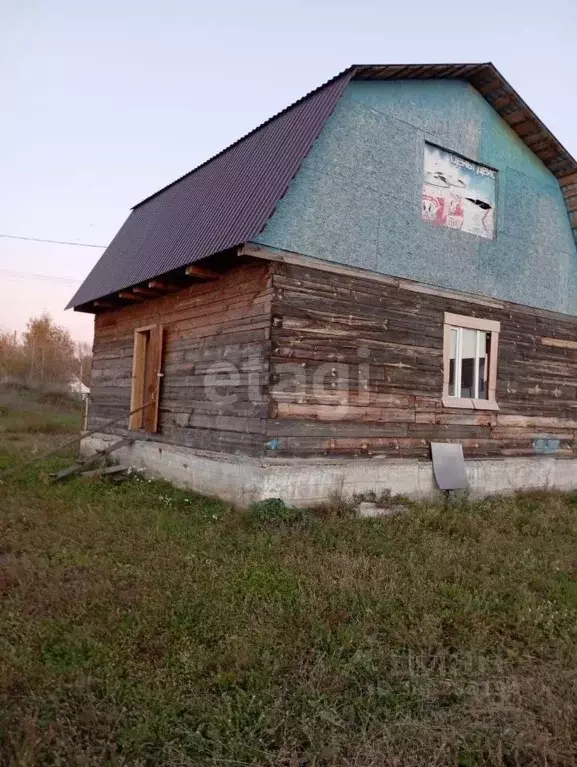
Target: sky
{"x": 105, "y": 101}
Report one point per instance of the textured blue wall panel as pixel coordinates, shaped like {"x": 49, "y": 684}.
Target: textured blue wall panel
{"x": 357, "y": 198}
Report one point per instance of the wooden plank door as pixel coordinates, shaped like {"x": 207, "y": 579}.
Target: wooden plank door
{"x": 146, "y": 377}
{"x": 153, "y": 375}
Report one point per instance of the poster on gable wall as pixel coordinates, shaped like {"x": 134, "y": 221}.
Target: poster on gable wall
{"x": 458, "y": 193}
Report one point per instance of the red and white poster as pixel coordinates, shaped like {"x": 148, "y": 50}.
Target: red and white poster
{"x": 458, "y": 193}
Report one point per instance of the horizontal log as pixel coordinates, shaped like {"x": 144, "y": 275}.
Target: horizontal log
{"x": 560, "y": 343}
{"x": 348, "y": 446}
{"x": 356, "y": 398}
{"x": 376, "y": 354}
{"x": 216, "y": 379}
{"x": 343, "y": 411}
{"x": 520, "y": 432}
{"x": 218, "y": 441}
{"x": 179, "y": 413}
{"x": 442, "y": 418}
{"x": 283, "y": 427}
{"x": 217, "y": 422}
{"x": 444, "y": 432}
{"x": 533, "y": 422}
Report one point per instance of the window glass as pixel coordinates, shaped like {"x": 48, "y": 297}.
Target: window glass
{"x": 482, "y": 338}
{"x": 454, "y": 341}
{"x": 468, "y": 355}
{"x": 468, "y": 366}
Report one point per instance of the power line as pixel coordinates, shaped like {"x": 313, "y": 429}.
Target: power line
{"x": 53, "y": 242}
{"x": 32, "y": 276}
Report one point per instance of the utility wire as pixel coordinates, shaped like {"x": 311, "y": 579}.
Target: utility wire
{"x": 53, "y": 242}
{"x": 32, "y": 276}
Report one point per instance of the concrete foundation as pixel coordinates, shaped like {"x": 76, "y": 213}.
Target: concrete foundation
{"x": 303, "y": 482}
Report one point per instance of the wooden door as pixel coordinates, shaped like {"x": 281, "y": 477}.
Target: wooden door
{"x": 146, "y": 378}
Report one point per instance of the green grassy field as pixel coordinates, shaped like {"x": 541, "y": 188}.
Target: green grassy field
{"x": 144, "y": 625}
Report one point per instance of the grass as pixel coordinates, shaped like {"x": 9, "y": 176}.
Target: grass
{"x": 26, "y": 411}
{"x": 144, "y": 625}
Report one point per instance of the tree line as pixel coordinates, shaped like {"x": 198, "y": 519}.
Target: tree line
{"x": 44, "y": 356}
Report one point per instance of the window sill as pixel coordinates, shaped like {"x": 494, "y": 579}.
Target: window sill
{"x": 470, "y": 404}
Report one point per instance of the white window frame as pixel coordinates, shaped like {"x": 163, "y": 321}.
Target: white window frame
{"x": 459, "y": 322}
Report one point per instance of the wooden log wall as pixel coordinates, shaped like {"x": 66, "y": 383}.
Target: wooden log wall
{"x": 225, "y": 321}
{"x": 376, "y": 347}
{"x": 394, "y": 405}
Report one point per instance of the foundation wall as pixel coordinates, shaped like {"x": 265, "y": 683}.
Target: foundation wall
{"x": 302, "y": 482}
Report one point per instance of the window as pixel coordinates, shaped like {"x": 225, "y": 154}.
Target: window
{"x": 470, "y": 362}
{"x": 146, "y": 375}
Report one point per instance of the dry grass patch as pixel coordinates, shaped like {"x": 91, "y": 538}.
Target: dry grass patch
{"x": 27, "y": 411}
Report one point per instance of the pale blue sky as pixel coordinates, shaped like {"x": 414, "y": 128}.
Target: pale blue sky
{"x": 104, "y": 101}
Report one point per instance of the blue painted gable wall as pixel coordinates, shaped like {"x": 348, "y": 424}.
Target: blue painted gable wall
{"x": 356, "y": 198}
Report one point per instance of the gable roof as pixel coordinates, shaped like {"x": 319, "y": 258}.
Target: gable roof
{"x": 222, "y": 203}
{"x": 227, "y": 200}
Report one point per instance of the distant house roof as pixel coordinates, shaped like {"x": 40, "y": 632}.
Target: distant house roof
{"x": 227, "y": 200}
{"x": 76, "y": 385}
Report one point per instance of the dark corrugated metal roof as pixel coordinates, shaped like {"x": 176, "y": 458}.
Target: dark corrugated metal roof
{"x": 223, "y": 203}
{"x": 227, "y": 200}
